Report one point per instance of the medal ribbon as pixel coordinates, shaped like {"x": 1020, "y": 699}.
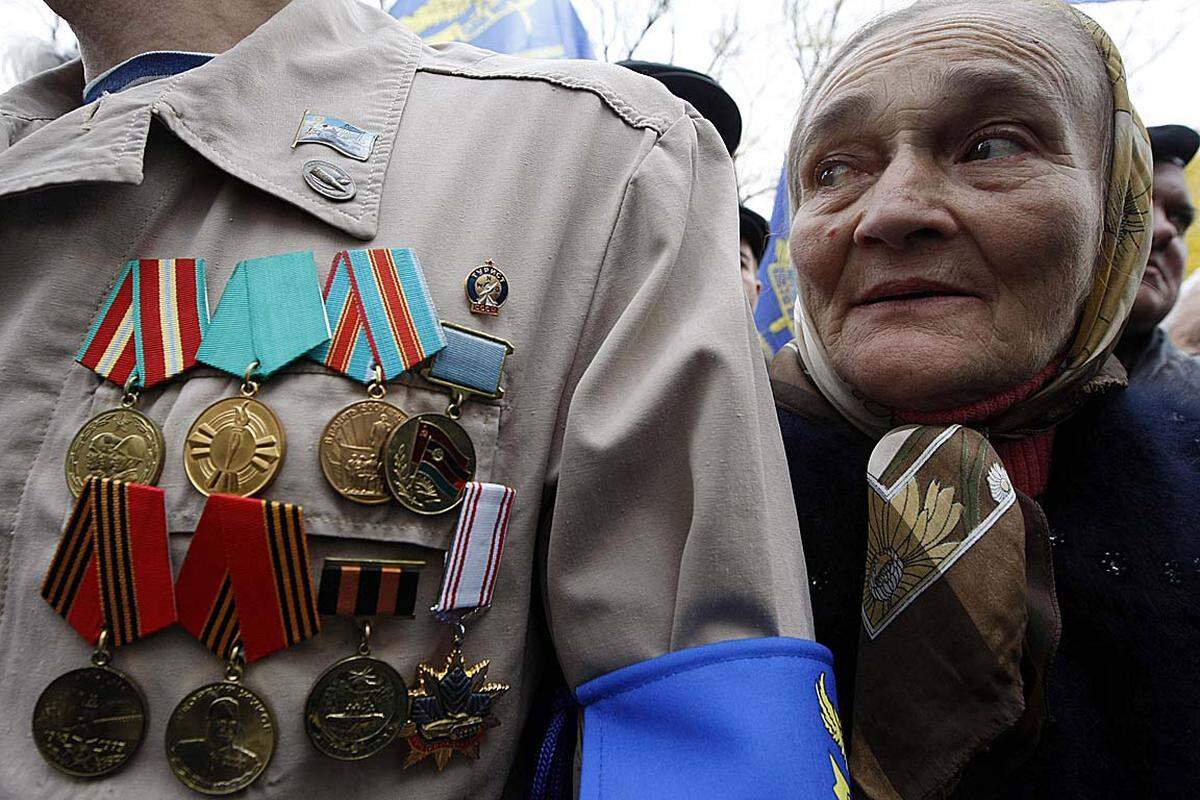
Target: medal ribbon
{"x": 474, "y": 557}
{"x": 369, "y": 588}
{"x": 270, "y": 312}
{"x": 245, "y": 578}
{"x": 152, "y": 321}
{"x": 381, "y": 312}
{"x": 470, "y": 361}
{"x": 111, "y": 568}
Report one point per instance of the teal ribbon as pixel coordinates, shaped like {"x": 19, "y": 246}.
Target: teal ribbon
{"x": 271, "y": 312}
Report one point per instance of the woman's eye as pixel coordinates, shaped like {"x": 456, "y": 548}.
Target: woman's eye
{"x": 832, "y": 173}
{"x": 994, "y": 147}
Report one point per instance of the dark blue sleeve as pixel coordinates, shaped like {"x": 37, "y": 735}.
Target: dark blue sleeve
{"x": 754, "y": 718}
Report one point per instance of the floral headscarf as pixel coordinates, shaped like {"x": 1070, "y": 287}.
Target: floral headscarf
{"x": 1122, "y": 256}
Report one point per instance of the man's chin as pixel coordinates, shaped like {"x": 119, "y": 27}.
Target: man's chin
{"x": 1149, "y": 308}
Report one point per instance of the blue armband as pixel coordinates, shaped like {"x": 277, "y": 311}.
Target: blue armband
{"x": 755, "y": 718}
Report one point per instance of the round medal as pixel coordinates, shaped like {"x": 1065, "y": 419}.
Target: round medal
{"x": 122, "y": 443}
{"x": 356, "y": 708}
{"x": 89, "y": 722}
{"x": 220, "y": 738}
{"x": 234, "y": 447}
{"x": 428, "y": 461}
{"x": 351, "y": 450}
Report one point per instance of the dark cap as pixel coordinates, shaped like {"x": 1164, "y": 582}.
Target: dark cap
{"x": 1175, "y": 143}
{"x": 705, "y": 94}
{"x": 755, "y": 232}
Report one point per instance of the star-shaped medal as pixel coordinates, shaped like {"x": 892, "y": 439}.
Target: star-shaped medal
{"x": 451, "y": 710}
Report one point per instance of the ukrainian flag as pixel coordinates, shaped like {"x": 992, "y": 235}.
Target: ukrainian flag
{"x": 773, "y": 312}
{"x": 532, "y": 28}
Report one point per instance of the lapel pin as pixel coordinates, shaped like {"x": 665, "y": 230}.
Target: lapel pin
{"x": 487, "y": 289}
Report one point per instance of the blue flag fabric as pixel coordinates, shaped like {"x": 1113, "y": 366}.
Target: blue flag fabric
{"x": 773, "y": 312}
{"x": 532, "y": 28}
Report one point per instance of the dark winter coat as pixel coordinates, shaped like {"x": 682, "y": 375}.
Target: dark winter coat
{"x": 1123, "y": 507}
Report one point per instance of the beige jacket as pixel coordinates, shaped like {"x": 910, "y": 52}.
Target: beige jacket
{"x": 653, "y": 510}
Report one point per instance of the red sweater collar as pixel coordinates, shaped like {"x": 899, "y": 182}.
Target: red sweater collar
{"x": 1027, "y": 460}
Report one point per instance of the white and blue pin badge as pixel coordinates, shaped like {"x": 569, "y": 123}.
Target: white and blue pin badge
{"x": 349, "y": 140}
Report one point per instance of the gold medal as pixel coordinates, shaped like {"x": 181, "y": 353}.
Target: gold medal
{"x": 451, "y": 710}
{"x": 120, "y": 443}
{"x": 351, "y": 447}
{"x": 220, "y": 737}
{"x": 357, "y": 707}
{"x": 428, "y": 461}
{"x": 89, "y": 722}
{"x": 235, "y": 446}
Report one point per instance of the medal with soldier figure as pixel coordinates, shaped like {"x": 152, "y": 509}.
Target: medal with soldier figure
{"x": 147, "y": 332}
{"x": 383, "y": 322}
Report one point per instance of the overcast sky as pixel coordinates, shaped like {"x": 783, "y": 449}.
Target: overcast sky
{"x": 1160, "y": 40}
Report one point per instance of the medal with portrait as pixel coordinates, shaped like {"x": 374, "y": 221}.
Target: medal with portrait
{"x": 220, "y": 738}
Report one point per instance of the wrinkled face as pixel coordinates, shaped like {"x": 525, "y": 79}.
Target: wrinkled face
{"x": 750, "y": 282}
{"x": 1173, "y": 213}
{"x": 949, "y": 205}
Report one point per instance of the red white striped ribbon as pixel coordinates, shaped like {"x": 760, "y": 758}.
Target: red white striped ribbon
{"x": 474, "y": 557}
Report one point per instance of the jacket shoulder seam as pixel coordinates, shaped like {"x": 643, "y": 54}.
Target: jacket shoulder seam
{"x": 616, "y": 103}
{"x": 4, "y": 112}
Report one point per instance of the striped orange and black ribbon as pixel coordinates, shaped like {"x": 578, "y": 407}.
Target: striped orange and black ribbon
{"x": 369, "y": 588}
{"x": 111, "y": 568}
{"x": 246, "y": 578}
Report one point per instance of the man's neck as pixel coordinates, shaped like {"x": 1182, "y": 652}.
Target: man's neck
{"x": 203, "y": 26}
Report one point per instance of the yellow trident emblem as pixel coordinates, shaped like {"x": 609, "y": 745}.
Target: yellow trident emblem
{"x": 464, "y": 20}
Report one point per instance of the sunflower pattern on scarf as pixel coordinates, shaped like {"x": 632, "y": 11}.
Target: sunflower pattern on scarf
{"x": 918, "y": 526}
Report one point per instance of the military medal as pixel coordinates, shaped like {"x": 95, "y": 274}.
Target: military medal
{"x": 429, "y": 459}
{"x": 244, "y": 592}
{"x": 110, "y": 578}
{"x": 358, "y": 706}
{"x": 487, "y": 289}
{"x": 383, "y": 322}
{"x": 269, "y": 314}
{"x": 452, "y": 702}
{"x": 236, "y": 445}
{"x": 221, "y": 737}
{"x": 147, "y": 331}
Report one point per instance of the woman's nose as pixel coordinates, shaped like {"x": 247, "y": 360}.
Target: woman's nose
{"x": 904, "y": 208}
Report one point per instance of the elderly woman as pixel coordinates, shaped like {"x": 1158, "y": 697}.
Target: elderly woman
{"x": 1010, "y": 589}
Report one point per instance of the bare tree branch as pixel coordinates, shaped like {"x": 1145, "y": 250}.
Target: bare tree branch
{"x": 1159, "y": 47}
{"x": 813, "y": 29}
{"x": 656, "y": 12}
{"x": 726, "y": 42}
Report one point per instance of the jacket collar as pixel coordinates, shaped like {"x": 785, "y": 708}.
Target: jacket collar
{"x": 240, "y": 111}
